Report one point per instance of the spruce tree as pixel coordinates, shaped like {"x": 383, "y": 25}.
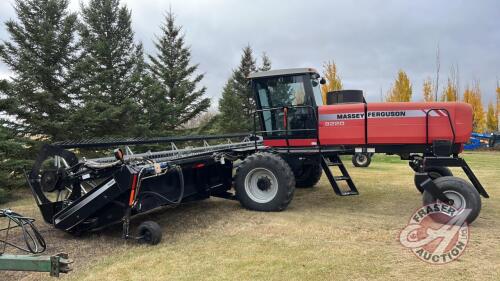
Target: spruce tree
{"x": 231, "y": 119}
{"x": 241, "y": 83}
{"x": 14, "y": 152}
{"x": 173, "y": 97}
{"x": 266, "y": 63}
{"x": 38, "y": 100}
{"x": 237, "y": 103}
{"x": 111, "y": 71}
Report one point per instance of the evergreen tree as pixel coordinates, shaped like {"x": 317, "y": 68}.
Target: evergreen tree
{"x": 13, "y": 155}
{"x": 266, "y": 63}
{"x": 237, "y": 103}
{"x": 38, "y": 100}
{"x": 173, "y": 97}
{"x": 231, "y": 119}
{"x": 111, "y": 71}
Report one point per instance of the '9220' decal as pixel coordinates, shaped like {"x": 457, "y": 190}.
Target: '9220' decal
{"x": 333, "y": 123}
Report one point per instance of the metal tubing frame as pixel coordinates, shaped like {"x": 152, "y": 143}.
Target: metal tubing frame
{"x": 103, "y": 142}
{"x": 427, "y": 123}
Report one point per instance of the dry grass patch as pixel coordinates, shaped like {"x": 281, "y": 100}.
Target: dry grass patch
{"x": 319, "y": 237}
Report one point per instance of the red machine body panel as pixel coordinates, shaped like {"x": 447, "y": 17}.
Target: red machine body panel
{"x": 342, "y": 124}
{"x": 393, "y": 123}
{"x": 291, "y": 142}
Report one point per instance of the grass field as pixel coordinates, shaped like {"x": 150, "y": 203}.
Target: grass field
{"x": 319, "y": 237}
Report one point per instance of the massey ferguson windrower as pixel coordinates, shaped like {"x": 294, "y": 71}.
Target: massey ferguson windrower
{"x": 296, "y": 138}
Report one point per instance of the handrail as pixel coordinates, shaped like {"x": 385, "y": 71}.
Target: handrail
{"x": 427, "y": 123}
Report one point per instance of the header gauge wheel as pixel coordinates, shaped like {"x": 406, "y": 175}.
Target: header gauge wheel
{"x": 462, "y": 193}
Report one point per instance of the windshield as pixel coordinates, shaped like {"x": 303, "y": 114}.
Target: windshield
{"x": 282, "y": 91}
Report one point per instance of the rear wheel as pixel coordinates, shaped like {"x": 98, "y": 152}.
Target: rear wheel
{"x": 463, "y": 194}
{"x": 264, "y": 182}
{"x": 361, "y": 160}
{"x": 308, "y": 176}
{"x": 434, "y": 173}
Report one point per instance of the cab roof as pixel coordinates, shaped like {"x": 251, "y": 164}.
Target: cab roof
{"x": 281, "y": 72}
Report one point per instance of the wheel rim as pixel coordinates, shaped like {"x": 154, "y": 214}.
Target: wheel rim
{"x": 362, "y": 159}
{"x": 459, "y": 202}
{"x": 261, "y": 185}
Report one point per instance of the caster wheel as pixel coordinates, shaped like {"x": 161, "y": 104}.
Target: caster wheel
{"x": 149, "y": 233}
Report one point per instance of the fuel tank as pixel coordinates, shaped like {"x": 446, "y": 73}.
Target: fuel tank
{"x": 394, "y": 123}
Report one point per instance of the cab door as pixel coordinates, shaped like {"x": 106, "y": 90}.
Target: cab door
{"x": 287, "y": 112}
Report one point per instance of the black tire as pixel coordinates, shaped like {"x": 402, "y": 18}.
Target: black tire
{"x": 434, "y": 173}
{"x": 308, "y": 176}
{"x": 454, "y": 185}
{"x": 361, "y": 160}
{"x": 149, "y": 233}
{"x": 264, "y": 182}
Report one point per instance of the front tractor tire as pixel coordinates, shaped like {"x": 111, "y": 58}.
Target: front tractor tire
{"x": 463, "y": 194}
{"x": 434, "y": 173}
{"x": 361, "y": 160}
{"x": 308, "y": 176}
{"x": 264, "y": 182}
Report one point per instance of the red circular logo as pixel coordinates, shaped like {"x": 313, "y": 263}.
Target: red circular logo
{"x": 437, "y": 233}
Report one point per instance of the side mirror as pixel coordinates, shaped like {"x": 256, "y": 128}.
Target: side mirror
{"x": 322, "y": 81}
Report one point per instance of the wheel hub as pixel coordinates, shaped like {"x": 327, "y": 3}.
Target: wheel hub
{"x": 455, "y": 199}
{"x": 264, "y": 183}
{"x": 261, "y": 185}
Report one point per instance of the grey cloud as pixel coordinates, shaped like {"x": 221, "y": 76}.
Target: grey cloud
{"x": 369, "y": 40}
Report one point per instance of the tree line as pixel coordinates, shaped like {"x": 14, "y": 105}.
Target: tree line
{"x": 81, "y": 75}
{"x": 402, "y": 91}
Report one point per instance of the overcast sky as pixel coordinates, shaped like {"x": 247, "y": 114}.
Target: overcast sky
{"x": 369, "y": 40}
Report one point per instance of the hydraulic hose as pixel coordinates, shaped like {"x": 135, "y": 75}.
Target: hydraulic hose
{"x": 180, "y": 175}
{"x": 35, "y": 243}
{"x": 97, "y": 165}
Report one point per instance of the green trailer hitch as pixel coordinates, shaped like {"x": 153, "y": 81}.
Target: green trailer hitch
{"x": 55, "y": 264}
{"x": 12, "y": 223}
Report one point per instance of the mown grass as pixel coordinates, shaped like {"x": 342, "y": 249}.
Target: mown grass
{"x": 319, "y": 237}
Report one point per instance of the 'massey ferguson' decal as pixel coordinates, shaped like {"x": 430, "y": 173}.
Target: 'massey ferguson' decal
{"x": 379, "y": 114}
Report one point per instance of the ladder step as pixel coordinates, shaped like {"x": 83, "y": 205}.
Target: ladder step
{"x": 349, "y": 193}
{"x": 333, "y": 179}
